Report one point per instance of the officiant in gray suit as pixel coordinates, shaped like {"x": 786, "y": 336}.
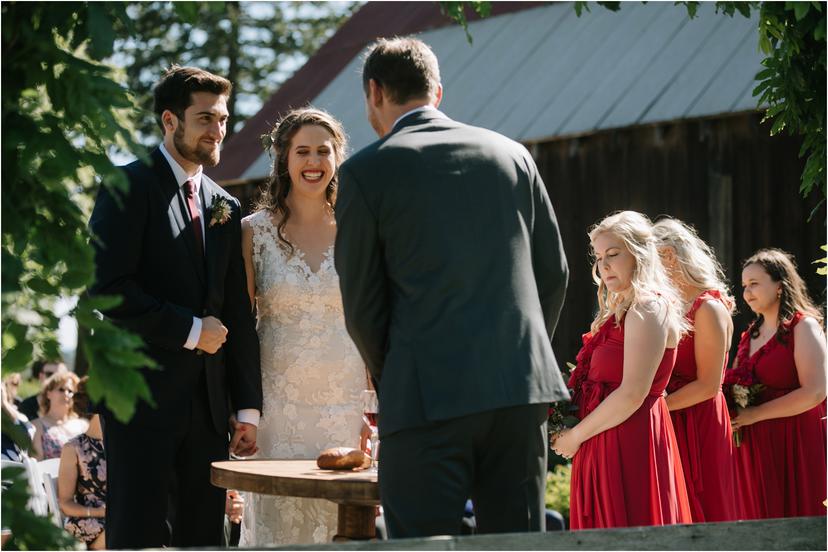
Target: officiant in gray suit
{"x": 453, "y": 275}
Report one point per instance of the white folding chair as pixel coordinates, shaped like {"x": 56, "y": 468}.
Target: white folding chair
{"x": 49, "y": 470}
{"x": 38, "y": 502}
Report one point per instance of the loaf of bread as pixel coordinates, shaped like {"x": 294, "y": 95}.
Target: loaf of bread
{"x": 343, "y": 458}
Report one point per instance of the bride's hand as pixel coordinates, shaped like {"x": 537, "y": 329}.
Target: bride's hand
{"x": 364, "y": 438}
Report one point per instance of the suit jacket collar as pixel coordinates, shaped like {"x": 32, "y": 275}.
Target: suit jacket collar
{"x": 179, "y": 211}
{"x": 418, "y": 117}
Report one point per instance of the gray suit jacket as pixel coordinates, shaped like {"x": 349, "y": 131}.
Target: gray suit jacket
{"x": 452, "y": 271}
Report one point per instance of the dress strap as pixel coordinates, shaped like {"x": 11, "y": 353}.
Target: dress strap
{"x": 704, "y": 296}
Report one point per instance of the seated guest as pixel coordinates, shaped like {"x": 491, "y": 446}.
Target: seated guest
{"x": 10, "y": 449}
{"x": 41, "y": 371}
{"x": 11, "y": 385}
{"x": 82, "y": 480}
{"x": 58, "y": 422}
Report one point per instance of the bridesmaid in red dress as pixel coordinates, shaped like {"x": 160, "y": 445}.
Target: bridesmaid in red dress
{"x": 697, "y": 405}
{"x": 781, "y": 463}
{"x": 626, "y": 469}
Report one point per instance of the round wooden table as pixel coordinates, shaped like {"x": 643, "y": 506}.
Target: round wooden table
{"x": 355, "y": 492}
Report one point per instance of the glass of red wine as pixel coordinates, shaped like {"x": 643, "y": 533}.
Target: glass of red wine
{"x": 370, "y": 409}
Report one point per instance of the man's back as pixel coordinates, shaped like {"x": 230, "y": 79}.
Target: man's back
{"x": 469, "y": 248}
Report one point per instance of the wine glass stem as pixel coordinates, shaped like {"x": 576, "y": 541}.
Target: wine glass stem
{"x": 374, "y": 441}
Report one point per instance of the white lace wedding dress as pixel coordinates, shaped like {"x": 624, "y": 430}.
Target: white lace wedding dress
{"x": 312, "y": 379}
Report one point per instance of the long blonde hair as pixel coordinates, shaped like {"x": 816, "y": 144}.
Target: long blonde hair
{"x": 697, "y": 262}
{"x": 649, "y": 282}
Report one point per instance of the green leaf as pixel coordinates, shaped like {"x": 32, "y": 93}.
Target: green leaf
{"x": 692, "y": 8}
{"x": 778, "y": 125}
{"x": 187, "y": 11}
{"x": 764, "y": 74}
{"x": 18, "y": 357}
{"x": 743, "y": 8}
{"x": 800, "y": 9}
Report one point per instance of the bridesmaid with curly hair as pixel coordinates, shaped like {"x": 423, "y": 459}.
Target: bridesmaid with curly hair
{"x": 626, "y": 469}
{"x": 697, "y": 405}
{"x": 781, "y": 463}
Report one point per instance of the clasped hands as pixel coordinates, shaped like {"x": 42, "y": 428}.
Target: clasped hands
{"x": 566, "y": 443}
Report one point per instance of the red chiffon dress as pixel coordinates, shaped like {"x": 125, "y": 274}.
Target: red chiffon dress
{"x": 781, "y": 463}
{"x": 703, "y": 434}
{"x": 631, "y": 474}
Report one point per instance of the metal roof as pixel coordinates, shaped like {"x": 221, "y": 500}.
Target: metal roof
{"x": 544, "y": 73}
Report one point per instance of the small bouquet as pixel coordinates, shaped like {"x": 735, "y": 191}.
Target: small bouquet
{"x": 741, "y": 390}
{"x": 562, "y": 414}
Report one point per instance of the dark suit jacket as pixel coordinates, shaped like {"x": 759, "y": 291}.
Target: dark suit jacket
{"x": 452, "y": 271}
{"x": 146, "y": 252}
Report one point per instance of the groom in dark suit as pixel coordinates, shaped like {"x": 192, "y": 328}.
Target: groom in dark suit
{"x": 453, "y": 275}
{"x": 170, "y": 245}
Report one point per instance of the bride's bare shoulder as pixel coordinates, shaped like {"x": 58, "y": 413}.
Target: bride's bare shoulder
{"x": 260, "y": 216}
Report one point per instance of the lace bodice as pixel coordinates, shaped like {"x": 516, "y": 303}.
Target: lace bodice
{"x": 312, "y": 379}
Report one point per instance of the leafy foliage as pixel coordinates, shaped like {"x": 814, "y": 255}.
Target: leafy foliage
{"x": 29, "y": 532}
{"x": 557, "y": 488}
{"x": 254, "y": 44}
{"x": 792, "y": 36}
{"x": 580, "y": 6}
{"x": 457, "y": 11}
{"x": 62, "y": 109}
{"x": 822, "y": 270}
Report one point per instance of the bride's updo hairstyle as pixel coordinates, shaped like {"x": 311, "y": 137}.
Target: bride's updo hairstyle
{"x": 274, "y": 192}
{"x": 649, "y": 281}
{"x": 697, "y": 264}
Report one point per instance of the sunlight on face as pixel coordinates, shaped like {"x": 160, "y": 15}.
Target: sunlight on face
{"x": 760, "y": 292}
{"x": 616, "y": 265}
{"x": 311, "y": 161}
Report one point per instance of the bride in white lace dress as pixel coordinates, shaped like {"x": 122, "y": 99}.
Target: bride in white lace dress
{"x": 312, "y": 374}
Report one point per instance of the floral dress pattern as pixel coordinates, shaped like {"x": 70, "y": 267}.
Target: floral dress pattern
{"x": 57, "y": 435}
{"x": 91, "y": 487}
{"x": 312, "y": 379}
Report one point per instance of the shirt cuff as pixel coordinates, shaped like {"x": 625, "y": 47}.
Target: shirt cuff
{"x": 195, "y": 334}
{"x": 248, "y": 416}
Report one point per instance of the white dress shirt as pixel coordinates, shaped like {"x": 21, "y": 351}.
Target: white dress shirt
{"x": 245, "y": 415}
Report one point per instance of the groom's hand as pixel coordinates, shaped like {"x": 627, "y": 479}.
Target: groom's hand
{"x": 213, "y": 335}
{"x": 243, "y": 442}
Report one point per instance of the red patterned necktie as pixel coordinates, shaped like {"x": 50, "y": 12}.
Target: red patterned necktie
{"x": 195, "y": 216}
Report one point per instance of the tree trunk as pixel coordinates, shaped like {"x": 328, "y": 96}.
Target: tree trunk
{"x": 233, "y": 14}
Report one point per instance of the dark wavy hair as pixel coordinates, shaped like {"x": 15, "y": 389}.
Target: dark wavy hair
{"x": 781, "y": 267}
{"x": 273, "y": 194}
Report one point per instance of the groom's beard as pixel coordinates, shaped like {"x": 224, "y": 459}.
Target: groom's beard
{"x": 209, "y": 157}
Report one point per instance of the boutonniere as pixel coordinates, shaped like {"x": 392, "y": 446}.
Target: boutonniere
{"x": 220, "y": 210}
